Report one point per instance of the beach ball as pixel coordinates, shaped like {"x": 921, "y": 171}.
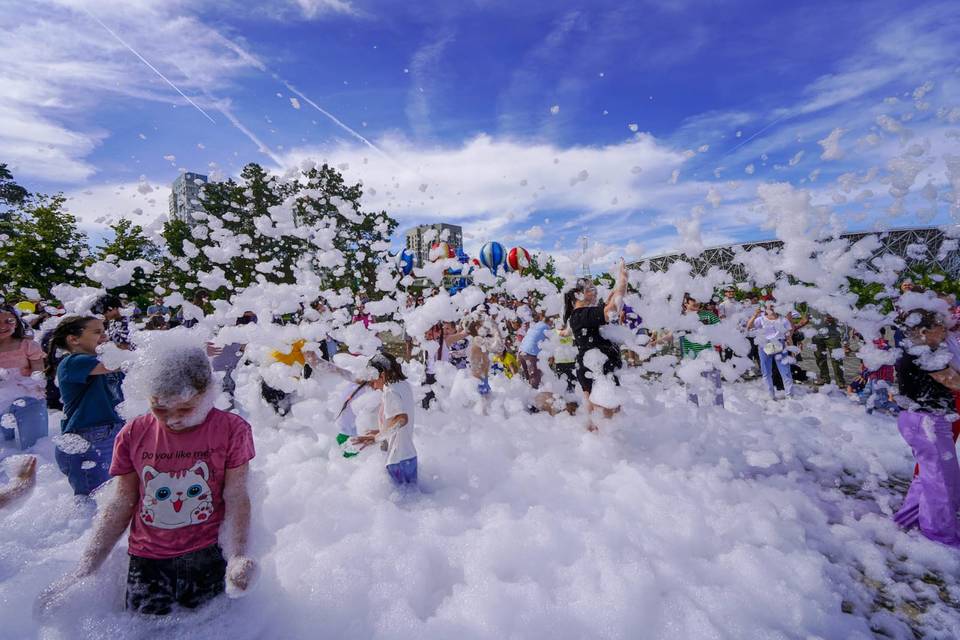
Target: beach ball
{"x": 25, "y": 307}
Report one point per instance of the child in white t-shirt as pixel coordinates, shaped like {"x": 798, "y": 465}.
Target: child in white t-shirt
{"x": 396, "y": 419}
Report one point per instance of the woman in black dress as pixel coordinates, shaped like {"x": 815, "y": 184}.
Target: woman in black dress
{"x": 585, "y": 317}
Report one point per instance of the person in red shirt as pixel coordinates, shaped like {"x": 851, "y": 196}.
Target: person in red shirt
{"x": 181, "y": 473}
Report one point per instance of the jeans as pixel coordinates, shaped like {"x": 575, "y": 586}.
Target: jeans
{"x": 766, "y": 368}
{"x": 30, "y": 416}
{"x": 713, "y": 377}
{"x": 86, "y": 470}
{"x": 190, "y": 580}
{"x": 403, "y": 472}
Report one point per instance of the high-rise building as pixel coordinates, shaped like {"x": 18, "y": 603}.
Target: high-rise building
{"x": 421, "y": 237}
{"x": 185, "y": 196}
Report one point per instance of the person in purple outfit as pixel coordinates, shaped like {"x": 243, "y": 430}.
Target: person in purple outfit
{"x": 926, "y": 383}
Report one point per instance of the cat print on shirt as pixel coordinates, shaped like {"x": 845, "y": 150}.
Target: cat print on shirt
{"x": 176, "y": 499}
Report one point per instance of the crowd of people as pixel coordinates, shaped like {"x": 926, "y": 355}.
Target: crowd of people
{"x": 180, "y": 470}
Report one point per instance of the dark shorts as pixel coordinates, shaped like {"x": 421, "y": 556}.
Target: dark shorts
{"x": 585, "y": 376}
{"x": 154, "y": 587}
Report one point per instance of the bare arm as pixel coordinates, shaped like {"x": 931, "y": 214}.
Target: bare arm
{"x": 615, "y": 299}
{"x": 111, "y": 524}
{"x": 241, "y": 569}
{"x": 236, "y": 501}
{"x": 752, "y": 319}
{"x": 107, "y": 530}
{"x": 948, "y": 378}
{"x": 26, "y": 477}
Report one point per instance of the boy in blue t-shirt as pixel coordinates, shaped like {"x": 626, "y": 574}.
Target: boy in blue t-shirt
{"x": 90, "y": 394}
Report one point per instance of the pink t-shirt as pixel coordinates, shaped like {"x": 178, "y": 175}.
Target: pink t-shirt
{"x": 181, "y": 480}
{"x": 20, "y": 357}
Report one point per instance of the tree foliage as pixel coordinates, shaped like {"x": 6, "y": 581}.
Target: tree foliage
{"x": 260, "y": 229}
{"x": 130, "y": 243}
{"x": 44, "y": 248}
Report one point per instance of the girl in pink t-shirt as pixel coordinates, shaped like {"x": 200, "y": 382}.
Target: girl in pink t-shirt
{"x": 23, "y": 409}
{"x": 181, "y": 474}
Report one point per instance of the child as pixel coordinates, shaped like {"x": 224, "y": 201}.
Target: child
{"x": 90, "y": 392}
{"x": 692, "y": 350}
{"x": 181, "y": 472}
{"x": 485, "y": 340}
{"x": 926, "y": 384}
{"x": 396, "y": 420}
{"x": 21, "y": 391}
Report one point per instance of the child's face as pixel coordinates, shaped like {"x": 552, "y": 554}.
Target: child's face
{"x": 87, "y": 342}
{"x": 8, "y": 324}
{"x": 177, "y": 413}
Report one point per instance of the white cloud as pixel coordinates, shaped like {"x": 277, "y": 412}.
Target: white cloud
{"x": 501, "y": 180}
{"x": 316, "y": 8}
{"x": 831, "y": 145}
{"x": 60, "y": 65}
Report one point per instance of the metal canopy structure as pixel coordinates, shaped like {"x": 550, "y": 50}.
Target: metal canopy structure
{"x": 925, "y": 247}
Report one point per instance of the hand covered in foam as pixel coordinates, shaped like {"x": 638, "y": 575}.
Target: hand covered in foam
{"x": 241, "y": 573}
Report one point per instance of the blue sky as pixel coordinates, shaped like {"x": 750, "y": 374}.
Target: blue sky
{"x": 526, "y": 122}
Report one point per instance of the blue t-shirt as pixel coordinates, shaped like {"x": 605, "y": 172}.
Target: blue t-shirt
{"x": 88, "y": 401}
{"x": 535, "y": 336}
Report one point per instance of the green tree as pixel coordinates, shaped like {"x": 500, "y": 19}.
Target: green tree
{"x": 45, "y": 247}
{"x": 326, "y": 202}
{"x": 252, "y": 231}
{"x": 129, "y": 244}
{"x": 547, "y": 272}
{"x": 11, "y": 194}
{"x": 236, "y": 233}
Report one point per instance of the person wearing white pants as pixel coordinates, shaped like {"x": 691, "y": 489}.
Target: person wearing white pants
{"x": 775, "y": 335}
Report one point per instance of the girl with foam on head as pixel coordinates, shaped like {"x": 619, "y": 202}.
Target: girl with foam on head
{"x": 23, "y": 411}
{"x": 395, "y": 420}
{"x": 90, "y": 393}
{"x": 181, "y": 474}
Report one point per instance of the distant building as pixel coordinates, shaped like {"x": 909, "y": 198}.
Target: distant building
{"x": 421, "y": 237}
{"x": 185, "y": 196}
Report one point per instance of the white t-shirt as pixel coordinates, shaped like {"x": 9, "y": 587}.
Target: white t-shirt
{"x": 398, "y": 399}
{"x": 775, "y": 330}
{"x": 729, "y": 308}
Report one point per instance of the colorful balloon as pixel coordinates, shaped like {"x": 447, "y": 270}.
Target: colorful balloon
{"x": 492, "y": 255}
{"x": 441, "y": 251}
{"x": 403, "y": 260}
{"x": 518, "y": 259}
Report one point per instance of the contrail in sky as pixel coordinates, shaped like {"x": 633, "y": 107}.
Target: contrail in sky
{"x": 153, "y": 68}
{"x": 258, "y": 64}
{"x": 756, "y": 134}
{"x": 262, "y": 147}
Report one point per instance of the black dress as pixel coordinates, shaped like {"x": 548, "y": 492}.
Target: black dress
{"x": 585, "y": 323}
